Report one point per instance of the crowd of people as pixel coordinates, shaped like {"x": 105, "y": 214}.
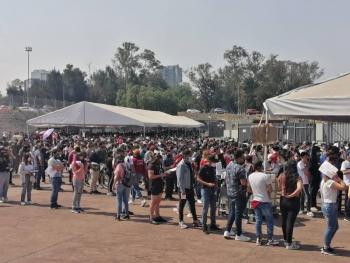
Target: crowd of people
{"x": 190, "y": 169}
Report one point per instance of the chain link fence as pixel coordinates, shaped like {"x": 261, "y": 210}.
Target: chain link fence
{"x": 34, "y": 102}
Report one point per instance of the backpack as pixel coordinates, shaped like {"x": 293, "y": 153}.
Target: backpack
{"x": 128, "y": 177}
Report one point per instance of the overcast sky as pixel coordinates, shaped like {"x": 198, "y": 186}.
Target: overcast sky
{"x": 184, "y": 32}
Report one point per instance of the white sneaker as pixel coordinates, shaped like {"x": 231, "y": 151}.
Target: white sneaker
{"x": 23, "y": 203}
{"x": 130, "y": 202}
{"x": 182, "y": 225}
{"x": 272, "y": 242}
{"x": 29, "y": 203}
{"x": 189, "y": 215}
{"x": 292, "y": 246}
{"x": 1, "y": 201}
{"x": 258, "y": 241}
{"x": 314, "y": 209}
{"x": 228, "y": 235}
{"x": 242, "y": 238}
{"x": 5, "y": 200}
{"x": 199, "y": 201}
{"x": 143, "y": 202}
{"x": 310, "y": 214}
{"x": 301, "y": 212}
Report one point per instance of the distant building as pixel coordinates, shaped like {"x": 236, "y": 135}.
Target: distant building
{"x": 172, "y": 75}
{"x": 40, "y": 74}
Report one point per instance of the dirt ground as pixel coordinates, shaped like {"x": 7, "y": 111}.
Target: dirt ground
{"x": 38, "y": 234}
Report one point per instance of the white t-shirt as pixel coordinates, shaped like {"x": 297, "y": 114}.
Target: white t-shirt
{"x": 328, "y": 194}
{"x": 344, "y": 166}
{"x": 219, "y": 170}
{"x": 258, "y": 182}
{"x": 301, "y": 169}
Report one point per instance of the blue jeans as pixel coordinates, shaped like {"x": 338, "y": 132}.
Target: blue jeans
{"x": 236, "y": 212}
{"x": 38, "y": 177}
{"x": 330, "y": 212}
{"x": 209, "y": 199}
{"x": 198, "y": 190}
{"x": 122, "y": 199}
{"x": 264, "y": 209}
{"x": 135, "y": 188}
{"x": 56, "y": 186}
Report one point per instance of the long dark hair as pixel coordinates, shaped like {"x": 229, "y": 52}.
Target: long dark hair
{"x": 25, "y": 159}
{"x": 291, "y": 176}
{"x": 222, "y": 160}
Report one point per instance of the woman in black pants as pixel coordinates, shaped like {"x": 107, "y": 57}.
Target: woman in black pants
{"x": 290, "y": 185}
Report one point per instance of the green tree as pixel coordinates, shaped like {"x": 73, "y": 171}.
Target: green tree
{"x": 55, "y": 85}
{"x": 15, "y": 88}
{"x": 126, "y": 62}
{"x": 207, "y": 83}
{"x": 104, "y": 86}
{"x": 75, "y": 86}
{"x": 39, "y": 89}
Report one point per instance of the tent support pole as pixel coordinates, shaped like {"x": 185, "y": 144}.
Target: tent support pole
{"x": 266, "y": 136}
{"x": 84, "y": 114}
{"x": 144, "y": 131}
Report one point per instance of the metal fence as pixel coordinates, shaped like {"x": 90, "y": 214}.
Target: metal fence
{"x": 336, "y": 132}
{"x": 35, "y": 102}
{"x": 298, "y": 132}
{"x": 293, "y": 132}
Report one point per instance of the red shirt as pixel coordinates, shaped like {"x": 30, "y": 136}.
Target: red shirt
{"x": 139, "y": 165}
{"x": 202, "y": 163}
{"x": 71, "y": 157}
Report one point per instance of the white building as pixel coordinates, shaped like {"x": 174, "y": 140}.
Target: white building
{"x": 40, "y": 74}
{"x": 172, "y": 75}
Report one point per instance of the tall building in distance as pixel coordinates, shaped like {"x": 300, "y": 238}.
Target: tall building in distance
{"x": 39, "y": 74}
{"x": 172, "y": 75}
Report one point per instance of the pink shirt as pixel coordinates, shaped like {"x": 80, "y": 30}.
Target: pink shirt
{"x": 79, "y": 171}
{"x": 119, "y": 172}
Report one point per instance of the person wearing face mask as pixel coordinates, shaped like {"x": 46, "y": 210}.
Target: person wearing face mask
{"x": 156, "y": 175}
{"x": 207, "y": 178}
{"x": 55, "y": 166}
{"x": 169, "y": 180}
{"x": 329, "y": 188}
{"x": 185, "y": 183}
{"x": 25, "y": 171}
{"x": 78, "y": 172}
{"x": 236, "y": 181}
{"x": 4, "y": 174}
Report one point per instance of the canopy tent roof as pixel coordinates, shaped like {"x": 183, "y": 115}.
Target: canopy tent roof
{"x": 88, "y": 114}
{"x": 327, "y": 101}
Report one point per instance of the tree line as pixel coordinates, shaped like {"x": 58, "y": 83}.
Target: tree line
{"x": 134, "y": 79}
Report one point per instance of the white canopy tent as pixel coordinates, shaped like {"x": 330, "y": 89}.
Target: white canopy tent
{"x": 88, "y": 114}
{"x": 326, "y": 101}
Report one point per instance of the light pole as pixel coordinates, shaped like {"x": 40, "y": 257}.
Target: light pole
{"x": 28, "y": 50}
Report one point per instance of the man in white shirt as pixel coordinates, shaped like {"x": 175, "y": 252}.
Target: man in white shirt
{"x": 260, "y": 185}
{"x": 345, "y": 168}
{"x": 303, "y": 171}
{"x": 56, "y": 168}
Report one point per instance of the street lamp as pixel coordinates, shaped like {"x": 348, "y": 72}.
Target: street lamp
{"x": 28, "y": 50}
